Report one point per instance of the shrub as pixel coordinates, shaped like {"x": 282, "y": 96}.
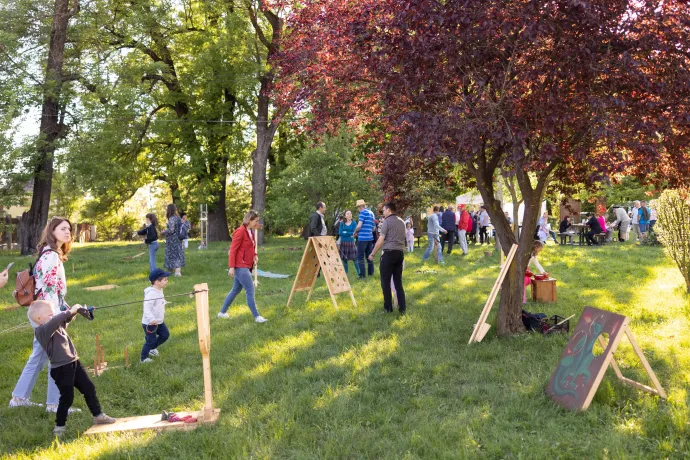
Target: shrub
{"x": 673, "y": 227}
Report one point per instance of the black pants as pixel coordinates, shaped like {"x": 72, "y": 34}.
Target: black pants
{"x": 392, "y": 267}
{"x": 67, "y": 378}
{"x": 448, "y": 238}
{"x": 483, "y": 235}
{"x": 589, "y": 236}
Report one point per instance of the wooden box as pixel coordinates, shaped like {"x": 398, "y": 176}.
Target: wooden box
{"x": 544, "y": 290}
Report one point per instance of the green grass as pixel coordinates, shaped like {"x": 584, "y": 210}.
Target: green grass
{"x": 314, "y": 382}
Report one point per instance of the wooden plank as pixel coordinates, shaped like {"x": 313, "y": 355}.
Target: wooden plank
{"x": 204, "y": 330}
{"x": 299, "y": 270}
{"x": 645, "y": 363}
{"x": 153, "y": 422}
{"x": 614, "y": 364}
{"x": 492, "y": 296}
{"x": 483, "y": 329}
{"x": 105, "y": 287}
{"x": 639, "y": 386}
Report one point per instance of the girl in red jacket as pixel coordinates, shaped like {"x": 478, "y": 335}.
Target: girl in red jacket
{"x": 242, "y": 258}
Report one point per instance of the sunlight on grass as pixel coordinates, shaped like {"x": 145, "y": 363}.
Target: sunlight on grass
{"x": 360, "y": 358}
{"x": 281, "y": 352}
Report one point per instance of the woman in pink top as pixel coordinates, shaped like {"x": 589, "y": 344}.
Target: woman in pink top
{"x": 604, "y": 228}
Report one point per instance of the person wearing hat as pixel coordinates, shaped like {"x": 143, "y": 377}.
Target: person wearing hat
{"x": 153, "y": 319}
{"x": 464, "y": 226}
{"x": 365, "y": 238}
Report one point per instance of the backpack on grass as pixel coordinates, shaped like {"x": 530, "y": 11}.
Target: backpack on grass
{"x": 25, "y": 285}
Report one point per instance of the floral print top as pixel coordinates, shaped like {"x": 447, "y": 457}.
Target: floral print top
{"x": 51, "y": 283}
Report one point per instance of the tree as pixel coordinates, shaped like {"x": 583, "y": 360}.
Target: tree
{"x": 673, "y": 228}
{"x": 52, "y": 127}
{"x": 323, "y": 172}
{"x": 488, "y": 86}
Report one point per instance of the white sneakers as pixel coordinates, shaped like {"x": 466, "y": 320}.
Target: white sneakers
{"x": 103, "y": 419}
{"x": 258, "y": 319}
{"x": 147, "y": 360}
{"x": 16, "y": 402}
{"x": 54, "y": 407}
{"x": 153, "y": 352}
{"x": 59, "y": 430}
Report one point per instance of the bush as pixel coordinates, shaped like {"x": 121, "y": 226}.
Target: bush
{"x": 673, "y": 225}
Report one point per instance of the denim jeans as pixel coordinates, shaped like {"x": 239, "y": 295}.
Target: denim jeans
{"x": 364, "y": 249}
{"x": 243, "y": 279}
{"x": 433, "y": 237}
{"x": 36, "y": 363}
{"x": 153, "y": 339}
{"x": 153, "y": 248}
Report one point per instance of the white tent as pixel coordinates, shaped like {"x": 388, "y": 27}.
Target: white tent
{"x": 474, "y": 198}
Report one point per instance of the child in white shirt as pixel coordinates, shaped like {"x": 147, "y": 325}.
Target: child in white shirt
{"x": 155, "y": 330}
{"x": 409, "y": 237}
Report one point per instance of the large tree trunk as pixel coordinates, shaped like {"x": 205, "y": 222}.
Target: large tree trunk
{"x": 51, "y": 130}
{"x": 265, "y": 131}
{"x": 217, "y": 213}
{"x": 510, "y": 304}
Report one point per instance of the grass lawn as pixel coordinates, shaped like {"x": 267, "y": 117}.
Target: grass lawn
{"x": 314, "y": 382}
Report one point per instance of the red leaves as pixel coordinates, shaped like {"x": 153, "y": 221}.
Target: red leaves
{"x": 516, "y": 84}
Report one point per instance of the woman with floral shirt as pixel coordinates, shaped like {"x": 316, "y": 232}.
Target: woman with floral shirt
{"x": 51, "y": 285}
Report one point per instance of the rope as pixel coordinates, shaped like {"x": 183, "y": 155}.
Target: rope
{"x": 28, "y": 324}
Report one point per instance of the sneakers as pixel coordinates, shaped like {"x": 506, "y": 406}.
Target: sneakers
{"x": 18, "y": 402}
{"x": 260, "y": 319}
{"x": 54, "y": 407}
{"x": 153, "y": 352}
{"x": 147, "y": 360}
{"x": 223, "y": 315}
{"x": 103, "y": 419}
{"x": 59, "y": 430}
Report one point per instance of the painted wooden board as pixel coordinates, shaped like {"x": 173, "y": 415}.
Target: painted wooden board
{"x": 153, "y": 422}
{"x": 105, "y": 287}
{"x": 579, "y": 372}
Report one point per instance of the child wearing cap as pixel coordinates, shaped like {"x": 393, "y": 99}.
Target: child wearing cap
{"x": 155, "y": 330}
{"x": 65, "y": 367}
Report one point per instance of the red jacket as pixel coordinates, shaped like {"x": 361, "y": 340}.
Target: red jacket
{"x": 242, "y": 250}
{"x": 465, "y": 221}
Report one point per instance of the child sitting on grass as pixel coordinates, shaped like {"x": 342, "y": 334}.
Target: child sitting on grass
{"x": 155, "y": 330}
{"x": 66, "y": 369}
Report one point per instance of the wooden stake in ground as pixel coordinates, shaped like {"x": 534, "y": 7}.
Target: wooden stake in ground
{"x": 321, "y": 253}
{"x": 208, "y": 414}
{"x": 482, "y": 327}
{"x": 99, "y": 364}
{"x": 579, "y": 373}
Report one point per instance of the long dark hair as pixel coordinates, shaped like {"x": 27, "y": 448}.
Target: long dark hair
{"x": 171, "y": 210}
{"x": 152, "y": 217}
{"x": 48, "y": 238}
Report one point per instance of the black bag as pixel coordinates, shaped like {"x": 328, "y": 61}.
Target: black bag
{"x": 534, "y": 322}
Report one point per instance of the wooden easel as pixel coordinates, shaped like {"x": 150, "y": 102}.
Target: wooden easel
{"x": 208, "y": 414}
{"x": 482, "y": 327}
{"x": 598, "y": 366}
{"x": 321, "y": 253}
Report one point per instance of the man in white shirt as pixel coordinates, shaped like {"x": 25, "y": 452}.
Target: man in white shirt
{"x": 636, "y": 222}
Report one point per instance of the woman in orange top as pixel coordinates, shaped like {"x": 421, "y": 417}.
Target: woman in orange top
{"x": 242, "y": 258}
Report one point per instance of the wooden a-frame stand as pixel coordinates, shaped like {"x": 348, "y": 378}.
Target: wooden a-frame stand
{"x": 208, "y": 414}
{"x": 322, "y": 254}
{"x": 482, "y": 327}
{"x": 579, "y": 393}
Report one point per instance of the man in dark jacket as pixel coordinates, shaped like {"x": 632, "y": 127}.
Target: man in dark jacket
{"x": 317, "y": 222}
{"x": 594, "y": 229}
{"x": 449, "y": 225}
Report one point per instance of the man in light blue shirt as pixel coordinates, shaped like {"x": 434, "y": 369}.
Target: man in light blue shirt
{"x": 432, "y": 231}
{"x": 365, "y": 238}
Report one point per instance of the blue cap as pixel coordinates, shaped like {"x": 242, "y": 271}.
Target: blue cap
{"x": 157, "y": 274}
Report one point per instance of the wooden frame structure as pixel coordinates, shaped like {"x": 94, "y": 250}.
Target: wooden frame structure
{"x": 579, "y": 373}
{"x": 322, "y": 254}
{"x": 482, "y": 327}
{"x": 208, "y": 414}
